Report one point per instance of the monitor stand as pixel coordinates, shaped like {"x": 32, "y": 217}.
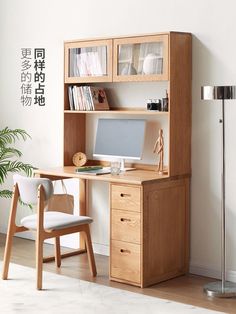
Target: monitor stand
{"x": 122, "y": 166}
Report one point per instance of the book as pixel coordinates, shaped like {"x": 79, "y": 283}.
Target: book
{"x": 75, "y": 98}
{"x": 95, "y": 172}
{"x": 71, "y": 99}
{"x": 86, "y": 168}
{"x": 99, "y": 98}
{"x": 86, "y": 98}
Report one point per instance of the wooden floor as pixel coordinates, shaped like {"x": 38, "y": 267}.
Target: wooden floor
{"x": 185, "y": 289}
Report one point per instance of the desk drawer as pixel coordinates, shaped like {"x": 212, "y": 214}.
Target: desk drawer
{"x": 125, "y": 197}
{"x": 125, "y": 261}
{"x": 125, "y": 226}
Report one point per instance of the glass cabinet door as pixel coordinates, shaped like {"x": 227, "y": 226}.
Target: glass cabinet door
{"x": 141, "y": 58}
{"x": 88, "y": 61}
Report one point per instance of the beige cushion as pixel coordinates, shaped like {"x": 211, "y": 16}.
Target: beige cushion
{"x": 55, "y": 221}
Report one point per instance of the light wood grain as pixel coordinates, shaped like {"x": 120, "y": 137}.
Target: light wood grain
{"x": 125, "y": 226}
{"x": 41, "y": 235}
{"x": 83, "y": 205}
{"x": 123, "y": 110}
{"x": 160, "y": 200}
{"x": 134, "y": 177}
{"x": 89, "y": 247}
{"x": 125, "y": 261}
{"x": 125, "y": 197}
{"x": 74, "y": 136}
{"x": 10, "y": 232}
{"x": 180, "y": 99}
{"x": 57, "y": 252}
{"x": 165, "y": 223}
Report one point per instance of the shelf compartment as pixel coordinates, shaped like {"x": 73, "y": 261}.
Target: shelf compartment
{"x": 115, "y": 110}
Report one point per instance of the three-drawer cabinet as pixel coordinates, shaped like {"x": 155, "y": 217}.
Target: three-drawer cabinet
{"x": 125, "y": 253}
{"x": 149, "y": 231}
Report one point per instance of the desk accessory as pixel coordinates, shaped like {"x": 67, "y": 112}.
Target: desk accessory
{"x": 154, "y": 104}
{"x": 88, "y": 168}
{"x": 164, "y": 104}
{"x": 98, "y": 98}
{"x": 221, "y": 288}
{"x": 93, "y": 170}
{"x": 79, "y": 159}
{"x": 159, "y": 149}
{"x": 115, "y": 167}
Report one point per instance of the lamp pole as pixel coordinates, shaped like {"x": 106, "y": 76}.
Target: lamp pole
{"x": 223, "y": 288}
{"x": 223, "y": 246}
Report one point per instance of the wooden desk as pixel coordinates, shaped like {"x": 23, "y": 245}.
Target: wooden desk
{"x": 149, "y": 238}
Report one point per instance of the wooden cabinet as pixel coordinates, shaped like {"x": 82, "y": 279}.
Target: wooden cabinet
{"x": 125, "y": 250}
{"x": 141, "y": 58}
{"x": 88, "y": 61}
{"x": 150, "y": 244}
{"x": 149, "y": 221}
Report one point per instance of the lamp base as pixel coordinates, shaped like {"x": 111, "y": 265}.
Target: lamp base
{"x": 214, "y": 289}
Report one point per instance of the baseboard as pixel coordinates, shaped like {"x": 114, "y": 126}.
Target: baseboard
{"x": 210, "y": 272}
{"x": 101, "y": 249}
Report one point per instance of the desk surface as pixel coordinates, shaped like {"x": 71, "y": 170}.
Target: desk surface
{"x": 129, "y": 177}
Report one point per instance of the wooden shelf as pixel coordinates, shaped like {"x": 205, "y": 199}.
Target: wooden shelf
{"x": 128, "y": 111}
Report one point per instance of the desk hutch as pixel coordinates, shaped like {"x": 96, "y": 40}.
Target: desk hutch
{"x": 149, "y": 238}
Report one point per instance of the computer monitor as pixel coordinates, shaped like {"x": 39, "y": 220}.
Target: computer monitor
{"x": 120, "y": 138}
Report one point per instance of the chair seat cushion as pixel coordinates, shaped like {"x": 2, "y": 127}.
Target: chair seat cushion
{"x": 55, "y": 220}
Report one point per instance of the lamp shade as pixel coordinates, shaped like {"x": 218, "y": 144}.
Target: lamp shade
{"x": 218, "y": 92}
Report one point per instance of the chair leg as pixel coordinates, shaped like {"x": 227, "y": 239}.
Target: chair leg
{"x": 7, "y": 253}
{"x": 39, "y": 262}
{"x": 89, "y": 247}
{"x": 57, "y": 252}
{"x": 10, "y": 232}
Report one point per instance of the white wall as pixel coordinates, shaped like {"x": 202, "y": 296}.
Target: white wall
{"x": 29, "y": 23}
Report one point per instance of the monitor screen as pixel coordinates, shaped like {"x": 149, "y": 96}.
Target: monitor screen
{"x": 121, "y": 138}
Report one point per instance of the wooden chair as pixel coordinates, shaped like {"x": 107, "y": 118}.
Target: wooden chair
{"x": 47, "y": 225}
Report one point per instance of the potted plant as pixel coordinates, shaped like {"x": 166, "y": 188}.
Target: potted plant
{"x": 9, "y": 156}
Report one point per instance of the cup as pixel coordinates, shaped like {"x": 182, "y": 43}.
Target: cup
{"x": 115, "y": 167}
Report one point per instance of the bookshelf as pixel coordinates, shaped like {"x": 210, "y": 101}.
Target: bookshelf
{"x": 174, "y": 51}
{"x": 149, "y": 224}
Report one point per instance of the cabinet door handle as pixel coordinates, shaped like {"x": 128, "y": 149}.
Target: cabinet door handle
{"x": 125, "y": 219}
{"x": 124, "y": 195}
{"x": 124, "y": 251}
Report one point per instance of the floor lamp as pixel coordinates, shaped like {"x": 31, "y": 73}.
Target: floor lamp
{"x": 221, "y": 288}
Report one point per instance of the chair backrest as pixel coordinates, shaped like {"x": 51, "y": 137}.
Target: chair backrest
{"x": 28, "y": 188}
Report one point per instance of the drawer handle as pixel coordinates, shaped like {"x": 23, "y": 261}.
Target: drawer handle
{"x": 125, "y": 219}
{"x": 124, "y": 251}
{"x": 125, "y": 195}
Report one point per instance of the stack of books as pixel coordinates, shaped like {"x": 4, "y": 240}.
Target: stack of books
{"x": 86, "y": 98}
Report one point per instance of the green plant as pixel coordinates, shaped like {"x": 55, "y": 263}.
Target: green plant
{"x": 9, "y": 155}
